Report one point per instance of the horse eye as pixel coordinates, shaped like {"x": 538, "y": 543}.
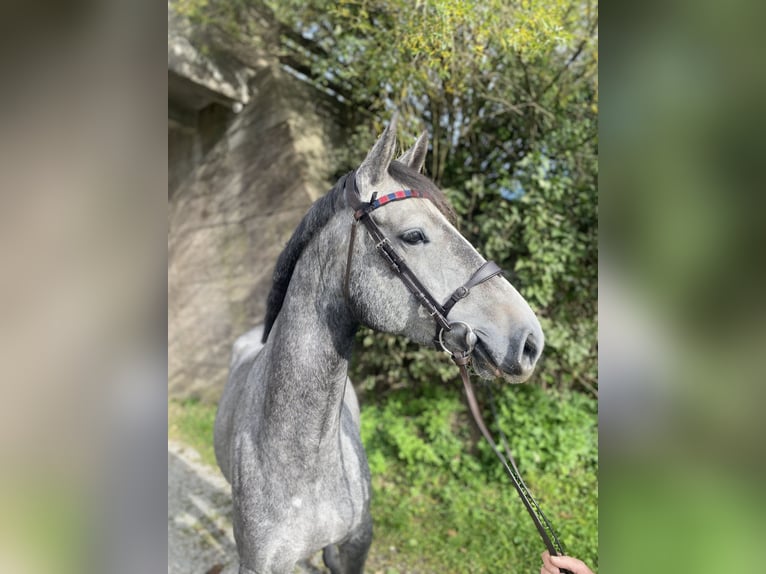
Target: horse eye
{"x": 413, "y": 237}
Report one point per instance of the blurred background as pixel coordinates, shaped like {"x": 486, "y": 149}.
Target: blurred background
{"x": 82, "y": 303}
{"x": 509, "y": 95}
{"x": 681, "y": 314}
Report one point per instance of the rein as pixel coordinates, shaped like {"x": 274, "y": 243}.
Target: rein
{"x": 542, "y": 524}
{"x": 439, "y": 312}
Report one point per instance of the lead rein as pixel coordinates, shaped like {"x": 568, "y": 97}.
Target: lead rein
{"x": 553, "y": 545}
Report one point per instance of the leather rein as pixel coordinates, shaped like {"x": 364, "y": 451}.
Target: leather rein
{"x": 439, "y": 313}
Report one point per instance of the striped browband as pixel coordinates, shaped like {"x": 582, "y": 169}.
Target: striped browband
{"x": 377, "y": 202}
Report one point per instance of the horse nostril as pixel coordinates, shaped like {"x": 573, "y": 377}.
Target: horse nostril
{"x": 523, "y": 352}
{"x": 530, "y": 351}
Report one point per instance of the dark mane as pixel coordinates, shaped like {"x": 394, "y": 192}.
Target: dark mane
{"x": 318, "y": 216}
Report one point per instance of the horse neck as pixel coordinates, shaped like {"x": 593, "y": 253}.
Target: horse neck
{"x": 310, "y": 346}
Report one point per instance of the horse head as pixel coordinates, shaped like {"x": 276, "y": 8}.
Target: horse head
{"x": 508, "y": 338}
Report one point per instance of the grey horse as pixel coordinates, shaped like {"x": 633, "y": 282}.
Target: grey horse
{"x": 287, "y": 429}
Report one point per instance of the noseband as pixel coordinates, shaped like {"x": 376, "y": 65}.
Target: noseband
{"x": 439, "y": 312}
{"x": 398, "y": 265}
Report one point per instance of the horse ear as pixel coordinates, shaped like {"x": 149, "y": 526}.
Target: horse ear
{"x": 415, "y": 157}
{"x": 375, "y": 166}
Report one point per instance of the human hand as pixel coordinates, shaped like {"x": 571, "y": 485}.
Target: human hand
{"x": 552, "y": 564}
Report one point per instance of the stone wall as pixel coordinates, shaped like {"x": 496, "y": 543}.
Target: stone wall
{"x": 239, "y": 183}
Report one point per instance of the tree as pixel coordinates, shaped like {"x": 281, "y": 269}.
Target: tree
{"x": 509, "y": 94}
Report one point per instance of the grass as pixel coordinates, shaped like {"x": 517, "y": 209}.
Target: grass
{"x": 456, "y": 527}
{"x": 191, "y": 423}
{"x": 446, "y": 510}
{"x": 438, "y": 508}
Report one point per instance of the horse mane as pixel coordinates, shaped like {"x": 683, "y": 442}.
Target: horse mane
{"x": 317, "y": 217}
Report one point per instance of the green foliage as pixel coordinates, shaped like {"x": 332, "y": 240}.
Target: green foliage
{"x": 550, "y": 432}
{"x": 445, "y": 508}
{"x": 547, "y": 235}
{"x": 423, "y": 432}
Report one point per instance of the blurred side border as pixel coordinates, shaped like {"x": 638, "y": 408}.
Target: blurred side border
{"x": 83, "y": 179}
{"x": 681, "y": 316}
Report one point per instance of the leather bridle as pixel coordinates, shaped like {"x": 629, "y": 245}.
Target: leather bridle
{"x": 398, "y": 265}
{"x": 439, "y": 312}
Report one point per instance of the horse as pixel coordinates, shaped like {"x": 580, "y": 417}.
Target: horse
{"x": 287, "y": 432}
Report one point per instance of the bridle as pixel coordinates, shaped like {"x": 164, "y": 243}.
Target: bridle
{"x": 439, "y": 312}
{"x": 423, "y": 296}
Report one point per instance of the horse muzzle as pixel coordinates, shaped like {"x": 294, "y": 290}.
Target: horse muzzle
{"x": 515, "y": 361}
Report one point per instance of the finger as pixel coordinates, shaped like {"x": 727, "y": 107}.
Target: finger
{"x": 548, "y": 567}
{"x": 573, "y": 564}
